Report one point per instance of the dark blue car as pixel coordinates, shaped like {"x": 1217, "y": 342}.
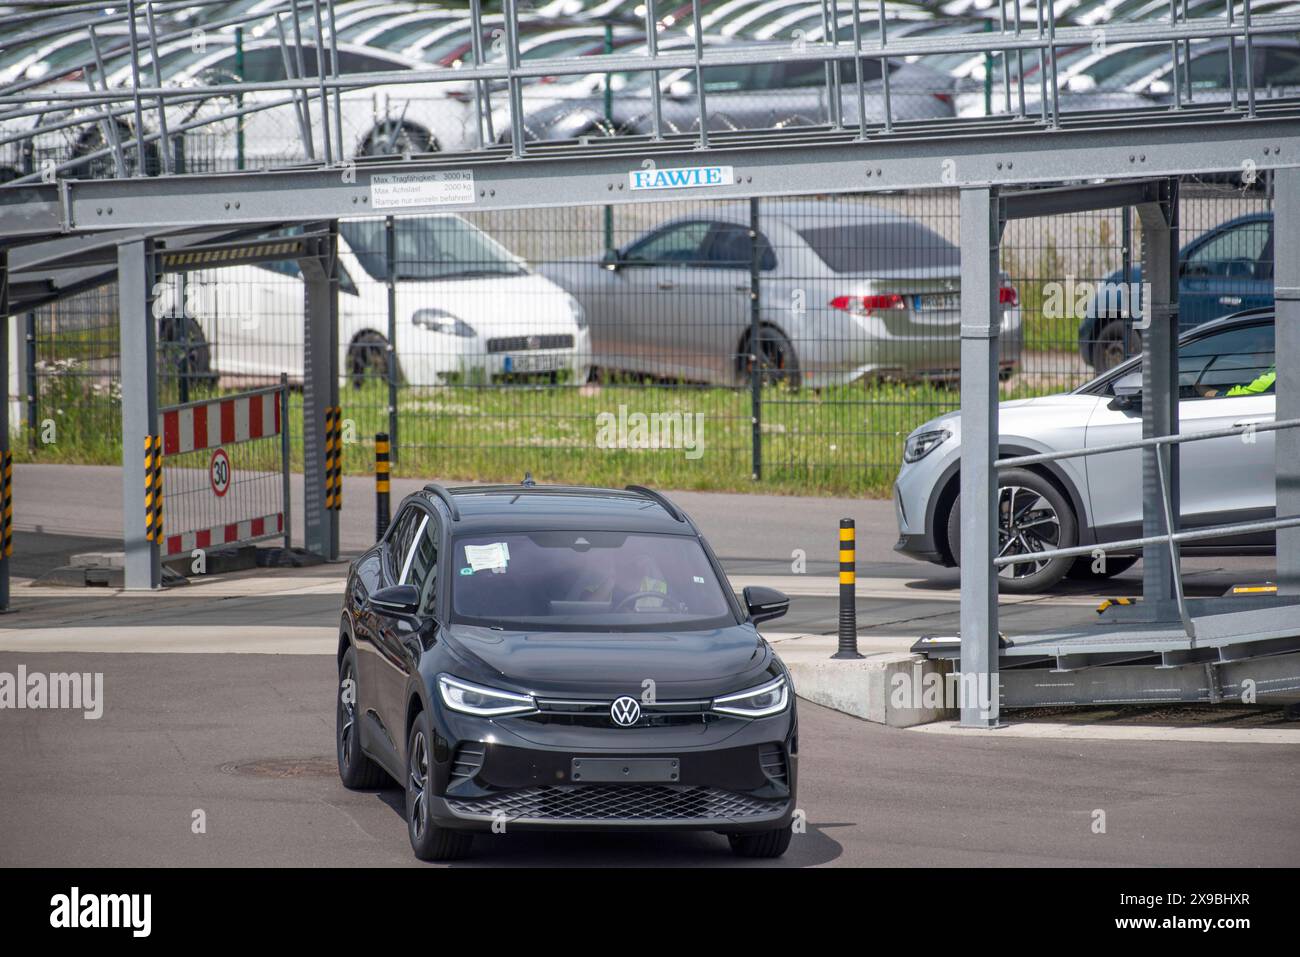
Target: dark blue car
{"x": 1226, "y": 270}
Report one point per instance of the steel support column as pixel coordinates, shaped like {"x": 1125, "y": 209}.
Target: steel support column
{"x": 139, "y": 405}
{"x": 6, "y": 516}
{"x": 1159, "y": 325}
{"x": 981, "y": 233}
{"x": 320, "y": 391}
{"x": 1286, "y": 294}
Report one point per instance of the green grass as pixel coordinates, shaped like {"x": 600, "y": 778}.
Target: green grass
{"x": 845, "y": 440}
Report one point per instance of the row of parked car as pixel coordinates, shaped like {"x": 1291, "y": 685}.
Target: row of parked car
{"x": 847, "y": 290}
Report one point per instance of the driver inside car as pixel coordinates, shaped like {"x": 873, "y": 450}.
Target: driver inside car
{"x": 628, "y": 577}
{"x": 1260, "y": 385}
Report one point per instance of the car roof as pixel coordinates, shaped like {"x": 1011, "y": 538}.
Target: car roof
{"x": 500, "y": 508}
{"x": 798, "y": 214}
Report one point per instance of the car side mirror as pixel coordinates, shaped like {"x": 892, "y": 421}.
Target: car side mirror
{"x": 764, "y": 604}
{"x": 1128, "y": 391}
{"x": 397, "y": 600}
{"x": 612, "y": 259}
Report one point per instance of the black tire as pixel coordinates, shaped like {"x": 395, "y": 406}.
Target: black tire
{"x": 367, "y": 358}
{"x": 761, "y": 843}
{"x": 356, "y": 771}
{"x": 1081, "y": 570}
{"x": 1109, "y": 349}
{"x": 185, "y": 349}
{"x": 778, "y": 363}
{"x": 428, "y": 841}
{"x": 1034, "y": 497}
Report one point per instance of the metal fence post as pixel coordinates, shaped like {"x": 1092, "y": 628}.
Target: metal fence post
{"x": 284, "y": 456}
{"x": 6, "y": 460}
{"x": 30, "y": 382}
{"x": 390, "y": 365}
{"x": 755, "y": 329}
{"x": 848, "y": 636}
{"x": 381, "y": 485}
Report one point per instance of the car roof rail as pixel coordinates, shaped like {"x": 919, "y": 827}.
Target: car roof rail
{"x": 650, "y": 493}
{"x": 434, "y": 488}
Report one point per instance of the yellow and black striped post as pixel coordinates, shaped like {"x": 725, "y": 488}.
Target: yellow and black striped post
{"x": 333, "y": 458}
{"x": 7, "y": 502}
{"x": 848, "y": 592}
{"x": 381, "y": 484}
{"x": 153, "y": 493}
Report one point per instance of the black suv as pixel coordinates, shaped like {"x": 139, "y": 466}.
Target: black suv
{"x": 546, "y": 657}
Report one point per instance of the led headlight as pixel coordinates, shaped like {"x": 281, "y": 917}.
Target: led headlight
{"x": 579, "y": 314}
{"x": 767, "y": 699}
{"x": 923, "y": 443}
{"x": 486, "y": 702}
{"x": 439, "y": 321}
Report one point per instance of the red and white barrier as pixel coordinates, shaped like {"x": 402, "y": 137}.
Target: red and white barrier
{"x": 245, "y": 531}
{"x": 222, "y": 422}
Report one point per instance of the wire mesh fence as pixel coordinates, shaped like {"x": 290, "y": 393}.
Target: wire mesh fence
{"x": 658, "y": 343}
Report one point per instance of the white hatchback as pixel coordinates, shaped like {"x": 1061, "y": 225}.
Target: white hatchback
{"x": 466, "y": 311}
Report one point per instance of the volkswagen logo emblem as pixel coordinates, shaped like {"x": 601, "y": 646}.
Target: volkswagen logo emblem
{"x": 625, "y": 711}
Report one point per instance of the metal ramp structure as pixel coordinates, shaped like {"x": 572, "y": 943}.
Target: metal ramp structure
{"x": 56, "y": 229}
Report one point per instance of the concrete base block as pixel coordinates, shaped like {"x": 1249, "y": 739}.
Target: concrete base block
{"x": 890, "y": 689}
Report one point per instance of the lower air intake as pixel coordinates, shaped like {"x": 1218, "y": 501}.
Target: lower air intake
{"x": 617, "y": 802}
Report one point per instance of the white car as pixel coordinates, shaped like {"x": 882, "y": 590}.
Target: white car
{"x": 468, "y": 311}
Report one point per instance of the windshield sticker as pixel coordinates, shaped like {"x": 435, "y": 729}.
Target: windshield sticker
{"x": 485, "y": 557}
{"x": 467, "y": 570}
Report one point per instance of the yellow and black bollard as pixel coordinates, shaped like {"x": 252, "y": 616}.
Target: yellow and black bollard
{"x": 7, "y": 501}
{"x": 848, "y": 592}
{"x": 381, "y": 484}
{"x": 153, "y": 493}
{"x": 333, "y": 458}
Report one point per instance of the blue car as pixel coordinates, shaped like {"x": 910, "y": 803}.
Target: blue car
{"x": 1226, "y": 270}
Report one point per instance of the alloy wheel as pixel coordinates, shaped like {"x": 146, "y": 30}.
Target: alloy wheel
{"x": 1027, "y": 524}
{"x": 419, "y": 778}
{"x": 347, "y": 713}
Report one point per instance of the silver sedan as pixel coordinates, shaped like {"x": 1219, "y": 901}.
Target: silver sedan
{"x": 846, "y": 290}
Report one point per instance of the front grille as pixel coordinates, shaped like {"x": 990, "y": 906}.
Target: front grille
{"x": 467, "y": 761}
{"x": 772, "y": 759}
{"x": 596, "y": 713}
{"x": 528, "y": 343}
{"x": 617, "y": 802}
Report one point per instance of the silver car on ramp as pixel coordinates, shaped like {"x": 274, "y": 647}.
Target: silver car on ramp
{"x": 1226, "y": 376}
{"x": 846, "y": 290}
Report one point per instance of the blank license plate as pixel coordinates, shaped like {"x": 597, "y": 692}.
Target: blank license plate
{"x": 545, "y": 363}
{"x": 938, "y": 302}
{"x": 608, "y": 770}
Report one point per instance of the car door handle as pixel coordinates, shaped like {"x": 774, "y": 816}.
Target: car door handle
{"x": 667, "y": 284}
{"x": 744, "y": 288}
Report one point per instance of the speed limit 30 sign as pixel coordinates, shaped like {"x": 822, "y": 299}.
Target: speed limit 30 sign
{"x": 219, "y": 472}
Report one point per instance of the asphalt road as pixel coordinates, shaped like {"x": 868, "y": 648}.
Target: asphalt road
{"x": 248, "y": 740}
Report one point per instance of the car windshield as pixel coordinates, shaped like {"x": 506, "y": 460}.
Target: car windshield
{"x": 586, "y": 581}
{"x": 429, "y": 247}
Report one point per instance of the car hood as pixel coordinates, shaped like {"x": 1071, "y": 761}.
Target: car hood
{"x": 685, "y": 664}
{"x": 1015, "y": 413}
{"x": 500, "y": 305}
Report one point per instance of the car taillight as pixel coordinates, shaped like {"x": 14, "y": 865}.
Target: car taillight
{"x": 942, "y": 97}
{"x": 866, "y": 305}
{"x": 1007, "y": 296}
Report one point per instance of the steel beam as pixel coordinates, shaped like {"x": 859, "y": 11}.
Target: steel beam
{"x": 1159, "y": 390}
{"x": 320, "y": 391}
{"x": 981, "y": 233}
{"x": 571, "y": 174}
{"x": 5, "y": 359}
{"x": 1286, "y": 296}
{"x": 139, "y": 405}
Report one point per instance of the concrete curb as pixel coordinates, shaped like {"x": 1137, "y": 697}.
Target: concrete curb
{"x": 885, "y": 686}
